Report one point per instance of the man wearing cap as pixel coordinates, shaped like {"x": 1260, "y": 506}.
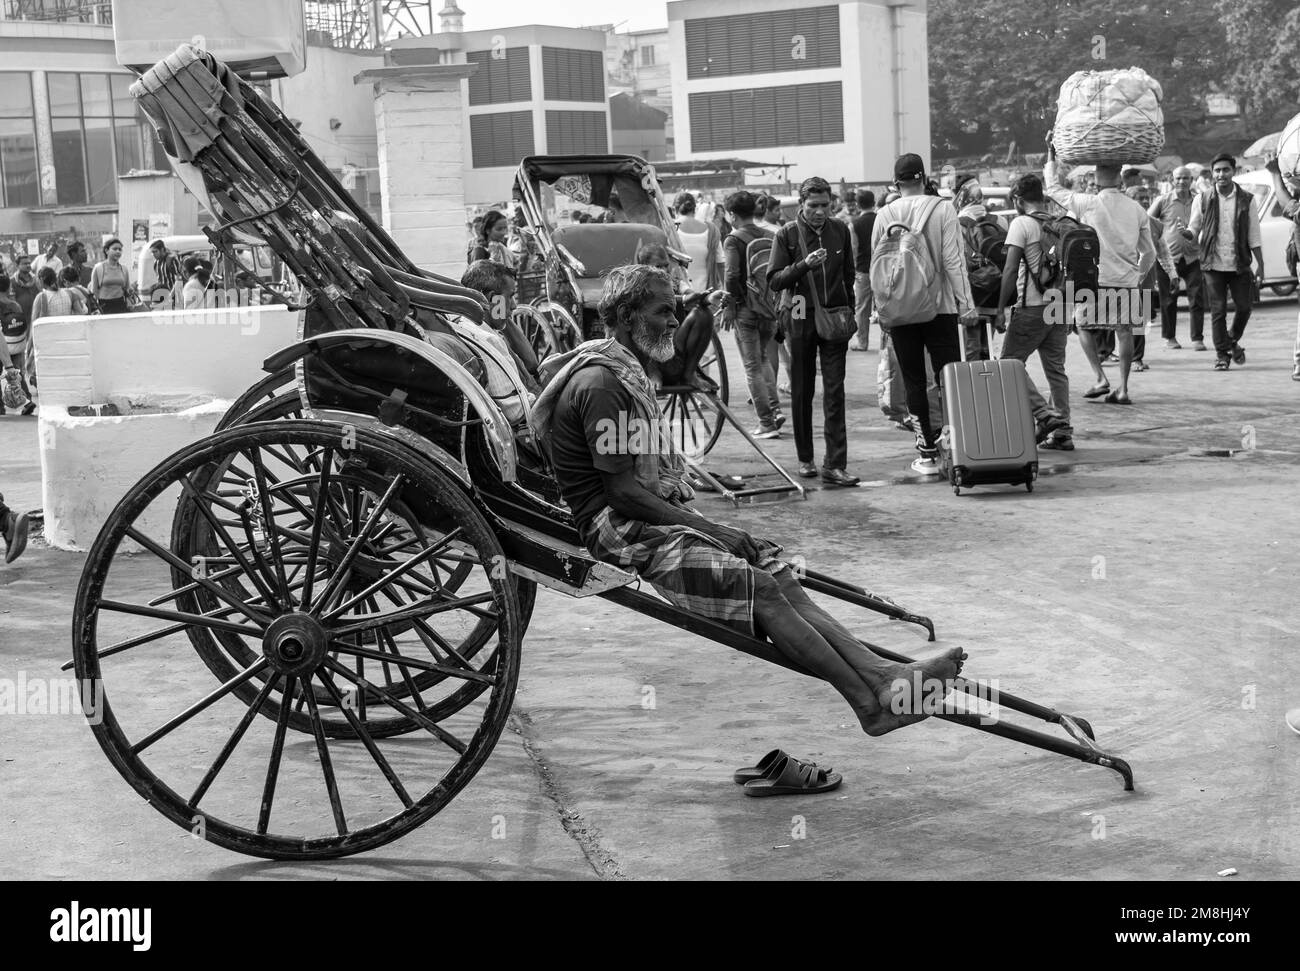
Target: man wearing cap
{"x": 937, "y": 337}
{"x": 1171, "y": 209}
{"x": 1225, "y": 226}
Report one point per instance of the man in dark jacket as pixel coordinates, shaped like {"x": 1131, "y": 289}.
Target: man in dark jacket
{"x": 815, "y": 251}
{"x": 863, "y": 226}
{"x": 1225, "y": 226}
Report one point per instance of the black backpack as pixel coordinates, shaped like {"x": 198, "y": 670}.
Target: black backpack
{"x": 986, "y": 255}
{"x": 1071, "y": 254}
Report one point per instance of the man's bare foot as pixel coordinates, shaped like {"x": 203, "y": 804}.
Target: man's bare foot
{"x": 914, "y": 694}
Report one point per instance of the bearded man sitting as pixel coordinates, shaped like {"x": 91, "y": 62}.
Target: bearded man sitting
{"x": 613, "y": 459}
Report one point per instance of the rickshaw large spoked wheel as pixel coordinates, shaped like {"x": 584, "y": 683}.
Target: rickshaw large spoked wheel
{"x": 200, "y": 753}
{"x": 273, "y": 403}
{"x": 209, "y": 535}
{"x": 713, "y": 365}
{"x": 539, "y": 331}
{"x": 566, "y": 328}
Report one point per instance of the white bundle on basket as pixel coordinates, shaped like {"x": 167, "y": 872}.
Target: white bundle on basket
{"x": 1288, "y": 149}
{"x": 1109, "y": 118}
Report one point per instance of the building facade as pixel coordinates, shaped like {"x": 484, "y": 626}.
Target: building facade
{"x": 835, "y": 89}
{"x": 69, "y": 126}
{"x": 637, "y": 64}
{"x": 538, "y": 90}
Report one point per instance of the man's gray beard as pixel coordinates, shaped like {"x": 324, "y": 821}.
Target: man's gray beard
{"x": 661, "y": 352}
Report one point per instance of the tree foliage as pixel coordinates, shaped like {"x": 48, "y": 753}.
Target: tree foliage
{"x": 1263, "y": 40}
{"x": 996, "y": 66}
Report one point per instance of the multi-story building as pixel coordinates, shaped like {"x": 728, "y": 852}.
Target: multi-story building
{"x": 837, "y": 89}
{"x": 538, "y": 91}
{"x": 69, "y": 126}
{"x": 637, "y": 65}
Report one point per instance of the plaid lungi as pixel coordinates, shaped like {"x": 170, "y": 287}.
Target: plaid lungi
{"x": 692, "y": 570}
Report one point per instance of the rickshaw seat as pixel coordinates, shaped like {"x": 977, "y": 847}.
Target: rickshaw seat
{"x": 602, "y": 246}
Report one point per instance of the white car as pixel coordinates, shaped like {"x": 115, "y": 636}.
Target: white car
{"x": 1275, "y": 230}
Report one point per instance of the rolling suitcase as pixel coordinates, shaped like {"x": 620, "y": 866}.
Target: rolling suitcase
{"x": 988, "y": 435}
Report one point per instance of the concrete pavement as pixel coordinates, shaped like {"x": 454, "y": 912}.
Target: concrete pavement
{"x": 1148, "y": 584}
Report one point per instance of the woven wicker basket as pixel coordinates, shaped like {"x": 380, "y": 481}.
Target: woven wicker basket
{"x": 1109, "y": 118}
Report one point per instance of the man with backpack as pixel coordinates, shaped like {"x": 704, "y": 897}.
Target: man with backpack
{"x": 985, "y": 240}
{"x": 812, "y": 264}
{"x": 751, "y": 306}
{"x": 1126, "y": 252}
{"x": 1025, "y": 279}
{"x": 921, "y": 292}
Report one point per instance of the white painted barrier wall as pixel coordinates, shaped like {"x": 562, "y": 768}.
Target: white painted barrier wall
{"x": 172, "y": 374}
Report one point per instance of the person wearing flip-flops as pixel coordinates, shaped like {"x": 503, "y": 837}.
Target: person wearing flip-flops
{"x": 13, "y": 529}
{"x": 1127, "y": 252}
{"x": 780, "y": 774}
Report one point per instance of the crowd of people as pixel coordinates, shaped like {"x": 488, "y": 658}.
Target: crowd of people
{"x": 1203, "y": 232}
{"x": 750, "y": 265}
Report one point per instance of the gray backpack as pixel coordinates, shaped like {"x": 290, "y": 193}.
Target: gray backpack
{"x": 904, "y": 276}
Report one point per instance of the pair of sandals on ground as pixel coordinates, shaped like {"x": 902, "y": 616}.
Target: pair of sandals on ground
{"x": 780, "y": 774}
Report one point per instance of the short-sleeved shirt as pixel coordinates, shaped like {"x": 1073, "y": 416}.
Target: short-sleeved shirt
{"x": 1027, "y": 233}
{"x": 592, "y": 399}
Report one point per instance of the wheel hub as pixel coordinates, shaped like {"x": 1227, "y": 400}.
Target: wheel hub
{"x": 295, "y": 644}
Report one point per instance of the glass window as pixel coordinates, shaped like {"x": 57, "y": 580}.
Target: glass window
{"x": 65, "y": 97}
{"x": 69, "y": 161}
{"x": 20, "y": 183}
{"x": 18, "y": 162}
{"x": 129, "y": 137}
{"x": 123, "y": 103}
{"x": 15, "y": 95}
{"x": 101, "y": 167}
{"x": 95, "y": 100}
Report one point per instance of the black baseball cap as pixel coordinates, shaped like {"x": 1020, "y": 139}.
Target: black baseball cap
{"x": 909, "y": 168}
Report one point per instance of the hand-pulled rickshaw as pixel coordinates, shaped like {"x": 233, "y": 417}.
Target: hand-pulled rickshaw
{"x": 350, "y": 562}
{"x": 578, "y": 256}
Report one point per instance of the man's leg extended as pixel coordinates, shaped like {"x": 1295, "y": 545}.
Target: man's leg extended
{"x": 862, "y": 294}
{"x": 1168, "y": 304}
{"x": 758, "y": 373}
{"x": 1243, "y": 297}
{"x": 909, "y": 351}
{"x": 889, "y": 684}
{"x": 834, "y": 428}
{"x": 1088, "y": 341}
{"x": 1216, "y": 285}
{"x": 1195, "y": 279}
{"x": 1025, "y": 334}
{"x": 803, "y": 384}
{"x": 1124, "y": 347}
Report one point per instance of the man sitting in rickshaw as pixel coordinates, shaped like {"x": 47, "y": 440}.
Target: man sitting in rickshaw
{"x": 613, "y": 459}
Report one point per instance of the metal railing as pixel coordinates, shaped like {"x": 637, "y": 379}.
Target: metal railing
{"x": 98, "y": 12}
